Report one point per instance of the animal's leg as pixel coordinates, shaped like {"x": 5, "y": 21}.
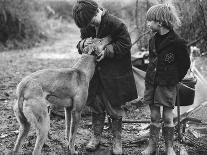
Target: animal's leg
{"x": 67, "y": 122}
{"x": 23, "y": 130}
{"x": 36, "y": 111}
{"x": 24, "y": 126}
{"x": 73, "y": 130}
{"x": 42, "y": 132}
{"x": 78, "y": 103}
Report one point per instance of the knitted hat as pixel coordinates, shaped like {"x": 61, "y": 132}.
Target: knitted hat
{"x": 166, "y": 14}
{"x": 84, "y": 11}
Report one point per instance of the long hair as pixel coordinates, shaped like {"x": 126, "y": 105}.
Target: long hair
{"x": 165, "y": 14}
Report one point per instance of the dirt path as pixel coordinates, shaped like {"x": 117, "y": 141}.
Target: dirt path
{"x": 60, "y": 53}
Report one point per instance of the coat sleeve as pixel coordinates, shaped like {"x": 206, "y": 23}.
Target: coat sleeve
{"x": 83, "y": 36}
{"x": 183, "y": 58}
{"x": 121, "y": 44}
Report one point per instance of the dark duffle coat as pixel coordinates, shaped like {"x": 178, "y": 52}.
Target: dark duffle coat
{"x": 113, "y": 74}
{"x": 169, "y": 63}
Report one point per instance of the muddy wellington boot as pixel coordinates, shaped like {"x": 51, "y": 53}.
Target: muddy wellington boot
{"x": 117, "y": 131}
{"x": 97, "y": 125}
{"x": 168, "y": 134}
{"x": 153, "y": 140}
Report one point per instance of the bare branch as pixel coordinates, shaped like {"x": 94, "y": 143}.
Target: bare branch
{"x": 140, "y": 37}
{"x": 196, "y": 41}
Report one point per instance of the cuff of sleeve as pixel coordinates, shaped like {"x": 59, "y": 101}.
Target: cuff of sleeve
{"x": 80, "y": 46}
{"x": 109, "y": 51}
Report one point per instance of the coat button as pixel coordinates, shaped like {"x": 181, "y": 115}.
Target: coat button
{"x": 99, "y": 68}
{"x": 155, "y": 69}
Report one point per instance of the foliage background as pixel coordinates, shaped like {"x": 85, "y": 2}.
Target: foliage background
{"x": 25, "y": 23}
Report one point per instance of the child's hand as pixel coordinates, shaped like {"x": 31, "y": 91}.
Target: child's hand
{"x": 89, "y": 49}
{"x": 101, "y": 56}
{"x": 88, "y": 41}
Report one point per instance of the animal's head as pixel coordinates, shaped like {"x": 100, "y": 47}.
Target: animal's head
{"x": 97, "y": 46}
{"x": 93, "y": 48}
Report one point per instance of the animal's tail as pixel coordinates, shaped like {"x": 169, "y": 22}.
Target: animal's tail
{"x": 18, "y": 107}
{"x": 30, "y": 106}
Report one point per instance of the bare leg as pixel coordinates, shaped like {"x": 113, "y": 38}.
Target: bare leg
{"x": 168, "y": 117}
{"x": 155, "y": 115}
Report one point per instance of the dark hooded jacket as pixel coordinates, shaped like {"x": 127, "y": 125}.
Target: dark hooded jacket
{"x": 169, "y": 63}
{"x": 114, "y": 74}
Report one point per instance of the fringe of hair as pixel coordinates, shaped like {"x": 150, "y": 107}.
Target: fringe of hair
{"x": 166, "y": 14}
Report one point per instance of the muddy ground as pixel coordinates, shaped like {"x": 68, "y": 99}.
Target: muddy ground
{"x": 16, "y": 64}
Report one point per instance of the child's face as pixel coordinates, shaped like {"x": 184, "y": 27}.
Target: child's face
{"x": 96, "y": 20}
{"x": 154, "y": 26}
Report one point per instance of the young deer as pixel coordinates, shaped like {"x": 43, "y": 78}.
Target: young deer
{"x": 66, "y": 87}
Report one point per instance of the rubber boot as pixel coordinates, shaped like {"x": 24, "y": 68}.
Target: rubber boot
{"x": 153, "y": 140}
{"x": 168, "y": 134}
{"x": 97, "y": 126}
{"x": 117, "y": 131}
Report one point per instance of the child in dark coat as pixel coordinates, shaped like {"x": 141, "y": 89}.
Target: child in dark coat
{"x": 168, "y": 64}
{"x": 113, "y": 83}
